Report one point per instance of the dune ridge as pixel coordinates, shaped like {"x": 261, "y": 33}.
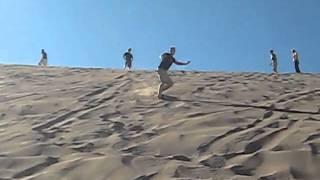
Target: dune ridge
{"x": 104, "y": 124}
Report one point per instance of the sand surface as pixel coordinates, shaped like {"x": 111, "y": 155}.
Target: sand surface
{"x": 98, "y": 124}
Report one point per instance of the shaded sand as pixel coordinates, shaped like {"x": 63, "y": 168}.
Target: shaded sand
{"x": 72, "y": 123}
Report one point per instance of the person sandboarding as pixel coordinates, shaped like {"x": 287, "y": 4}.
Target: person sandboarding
{"x": 44, "y": 59}
{"x": 167, "y": 59}
{"x": 128, "y": 57}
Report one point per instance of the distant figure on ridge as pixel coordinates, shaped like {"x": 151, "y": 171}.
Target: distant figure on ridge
{"x": 274, "y": 61}
{"x": 128, "y": 57}
{"x": 44, "y": 59}
{"x": 295, "y": 58}
{"x": 167, "y": 59}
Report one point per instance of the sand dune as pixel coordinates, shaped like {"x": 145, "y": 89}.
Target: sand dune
{"x": 73, "y": 123}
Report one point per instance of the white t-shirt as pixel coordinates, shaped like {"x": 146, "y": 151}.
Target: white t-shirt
{"x": 295, "y": 56}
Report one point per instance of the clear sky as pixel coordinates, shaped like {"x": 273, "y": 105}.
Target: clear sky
{"x": 216, "y": 35}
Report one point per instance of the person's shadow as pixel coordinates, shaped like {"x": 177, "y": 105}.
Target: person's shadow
{"x": 230, "y": 104}
{"x": 170, "y": 98}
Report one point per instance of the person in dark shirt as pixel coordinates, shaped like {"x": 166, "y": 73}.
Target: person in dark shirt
{"x": 44, "y": 58}
{"x": 128, "y": 57}
{"x": 274, "y": 61}
{"x": 167, "y": 59}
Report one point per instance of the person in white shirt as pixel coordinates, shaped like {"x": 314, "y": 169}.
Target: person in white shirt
{"x": 295, "y": 58}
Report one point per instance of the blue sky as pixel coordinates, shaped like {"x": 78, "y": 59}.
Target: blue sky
{"x": 216, "y": 35}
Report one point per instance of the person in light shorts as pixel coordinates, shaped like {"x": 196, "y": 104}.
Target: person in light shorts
{"x": 167, "y": 59}
{"x": 44, "y": 59}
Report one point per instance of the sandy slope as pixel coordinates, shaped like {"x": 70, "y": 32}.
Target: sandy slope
{"x": 60, "y": 123}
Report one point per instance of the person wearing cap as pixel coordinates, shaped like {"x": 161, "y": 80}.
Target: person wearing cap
{"x": 44, "y": 58}
{"x": 128, "y": 57}
{"x": 167, "y": 59}
{"x": 295, "y": 58}
{"x": 274, "y": 61}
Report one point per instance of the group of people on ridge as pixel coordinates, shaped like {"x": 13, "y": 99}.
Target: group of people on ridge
{"x": 167, "y": 59}
{"x": 274, "y": 60}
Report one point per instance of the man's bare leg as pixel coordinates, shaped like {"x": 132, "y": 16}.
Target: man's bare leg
{"x": 41, "y": 63}
{"x": 163, "y": 87}
{"x": 168, "y": 85}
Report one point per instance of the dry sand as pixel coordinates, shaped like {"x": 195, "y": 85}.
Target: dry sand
{"x": 97, "y": 124}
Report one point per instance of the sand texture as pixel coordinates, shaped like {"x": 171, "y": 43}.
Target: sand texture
{"x": 100, "y": 124}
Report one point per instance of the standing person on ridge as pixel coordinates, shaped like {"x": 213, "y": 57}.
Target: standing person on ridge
{"x": 44, "y": 59}
{"x": 128, "y": 57}
{"x": 295, "y": 58}
{"x": 167, "y": 59}
{"x": 274, "y": 61}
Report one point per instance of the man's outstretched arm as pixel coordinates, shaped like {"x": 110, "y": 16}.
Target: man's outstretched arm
{"x": 181, "y": 63}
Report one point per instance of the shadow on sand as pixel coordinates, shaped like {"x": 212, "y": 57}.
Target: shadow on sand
{"x": 271, "y": 108}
